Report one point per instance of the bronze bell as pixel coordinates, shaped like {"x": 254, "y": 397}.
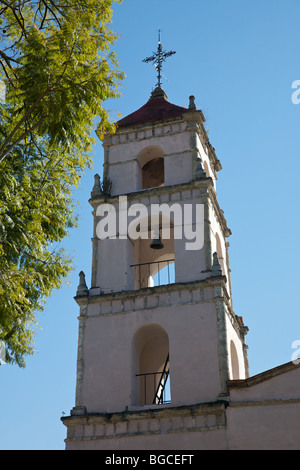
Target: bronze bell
{"x": 156, "y": 243}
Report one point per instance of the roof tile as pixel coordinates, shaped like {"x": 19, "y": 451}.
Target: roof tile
{"x": 157, "y": 108}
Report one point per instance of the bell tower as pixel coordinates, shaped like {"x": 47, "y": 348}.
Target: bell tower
{"x": 158, "y": 337}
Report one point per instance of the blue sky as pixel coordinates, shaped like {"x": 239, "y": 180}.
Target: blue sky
{"x": 239, "y": 59}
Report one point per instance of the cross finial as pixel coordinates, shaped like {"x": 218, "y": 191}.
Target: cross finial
{"x": 159, "y": 30}
{"x": 158, "y": 58}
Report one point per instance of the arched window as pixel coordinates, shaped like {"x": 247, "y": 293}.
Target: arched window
{"x": 165, "y": 273}
{"x": 150, "y": 366}
{"x": 220, "y": 253}
{"x": 151, "y": 162}
{"x": 154, "y": 267}
{"x": 234, "y": 361}
{"x": 153, "y": 173}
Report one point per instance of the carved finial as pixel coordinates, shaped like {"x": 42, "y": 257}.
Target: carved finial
{"x": 97, "y": 191}
{"x": 216, "y": 267}
{"x": 82, "y": 288}
{"x": 200, "y": 172}
{"x": 106, "y": 186}
{"x": 192, "y": 102}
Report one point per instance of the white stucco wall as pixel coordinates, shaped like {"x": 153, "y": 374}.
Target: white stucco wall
{"x": 122, "y": 156}
{"x": 107, "y": 354}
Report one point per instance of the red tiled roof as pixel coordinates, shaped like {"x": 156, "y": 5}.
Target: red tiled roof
{"x": 157, "y": 108}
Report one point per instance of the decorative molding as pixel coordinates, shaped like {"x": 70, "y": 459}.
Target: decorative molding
{"x": 167, "y": 420}
{"x": 197, "y": 188}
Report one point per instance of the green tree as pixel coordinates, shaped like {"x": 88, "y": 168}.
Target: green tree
{"x": 56, "y": 64}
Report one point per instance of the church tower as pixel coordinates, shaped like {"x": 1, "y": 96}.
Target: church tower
{"x": 158, "y": 337}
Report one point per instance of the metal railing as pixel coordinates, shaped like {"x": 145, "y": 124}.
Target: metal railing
{"x": 144, "y": 272}
{"x": 153, "y": 386}
{"x": 159, "y": 394}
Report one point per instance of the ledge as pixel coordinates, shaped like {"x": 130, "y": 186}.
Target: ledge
{"x": 263, "y": 376}
{"x": 127, "y": 294}
{"x": 184, "y": 191}
{"x": 174, "y": 188}
{"x": 103, "y": 426}
{"x": 216, "y": 408}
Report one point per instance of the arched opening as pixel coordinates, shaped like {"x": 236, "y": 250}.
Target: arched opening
{"x": 150, "y": 366}
{"x": 165, "y": 273}
{"x": 154, "y": 267}
{"x": 153, "y": 174}
{"x": 151, "y": 162}
{"x": 234, "y": 361}
{"x": 220, "y": 253}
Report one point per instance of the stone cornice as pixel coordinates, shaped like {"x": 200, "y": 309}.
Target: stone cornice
{"x": 186, "y": 293}
{"x": 189, "y": 116}
{"x": 175, "y": 287}
{"x": 193, "y": 119}
{"x": 205, "y": 183}
{"x": 137, "y": 129}
{"x": 155, "y": 411}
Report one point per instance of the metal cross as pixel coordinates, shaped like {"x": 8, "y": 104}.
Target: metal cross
{"x": 158, "y": 58}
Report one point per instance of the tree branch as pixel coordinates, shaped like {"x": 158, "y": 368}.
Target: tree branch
{"x": 8, "y": 5}
{"x": 23, "y": 136}
{"x": 32, "y": 107}
{"x": 4, "y": 153}
{"x": 8, "y": 59}
{"x": 44, "y": 17}
{"x": 7, "y": 76}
